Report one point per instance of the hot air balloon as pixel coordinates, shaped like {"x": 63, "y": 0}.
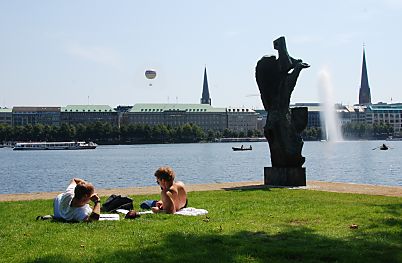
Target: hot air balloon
{"x": 150, "y": 74}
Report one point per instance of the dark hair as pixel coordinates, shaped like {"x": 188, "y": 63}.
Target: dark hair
{"x": 166, "y": 173}
{"x": 83, "y": 189}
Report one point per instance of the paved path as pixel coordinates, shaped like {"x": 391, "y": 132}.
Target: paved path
{"x": 311, "y": 185}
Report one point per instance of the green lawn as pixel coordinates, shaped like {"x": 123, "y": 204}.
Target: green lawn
{"x": 269, "y": 225}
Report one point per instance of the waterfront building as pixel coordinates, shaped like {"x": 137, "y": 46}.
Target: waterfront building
{"x": 386, "y": 113}
{"x": 203, "y": 115}
{"x": 352, "y": 113}
{"x": 36, "y": 115}
{"x": 86, "y": 114}
{"x": 345, "y": 113}
{"x": 6, "y": 116}
{"x": 173, "y": 114}
{"x": 373, "y": 114}
{"x": 261, "y": 118}
{"x": 241, "y": 119}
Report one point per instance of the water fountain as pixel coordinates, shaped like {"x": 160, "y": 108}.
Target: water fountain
{"x": 330, "y": 123}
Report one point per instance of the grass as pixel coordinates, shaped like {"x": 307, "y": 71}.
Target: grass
{"x": 266, "y": 225}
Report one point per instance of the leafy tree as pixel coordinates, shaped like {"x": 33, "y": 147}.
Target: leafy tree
{"x": 227, "y": 133}
{"x": 6, "y": 133}
{"x": 65, "y": 133}
{"x": 37, "y": 132}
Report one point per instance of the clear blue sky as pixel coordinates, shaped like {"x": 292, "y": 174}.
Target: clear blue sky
{"x": 55, "y": 53}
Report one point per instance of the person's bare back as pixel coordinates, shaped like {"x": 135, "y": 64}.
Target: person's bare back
{"x": 173, "y": 194}
{"x": 180, "y": 195}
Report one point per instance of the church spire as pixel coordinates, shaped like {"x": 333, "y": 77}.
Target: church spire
{"x": 205, "y": 91}
{"x": 364, "y": 93}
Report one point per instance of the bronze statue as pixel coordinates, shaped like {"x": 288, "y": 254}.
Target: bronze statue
{"x": 276, "y": 79}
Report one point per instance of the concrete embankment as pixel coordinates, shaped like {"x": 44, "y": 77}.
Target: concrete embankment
{"x": 311, "y": 185}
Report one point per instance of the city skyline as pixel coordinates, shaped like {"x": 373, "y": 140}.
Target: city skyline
{"x": 73, "y": 53}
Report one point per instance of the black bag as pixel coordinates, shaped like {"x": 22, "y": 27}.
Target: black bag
{"x": 115, "y": 202}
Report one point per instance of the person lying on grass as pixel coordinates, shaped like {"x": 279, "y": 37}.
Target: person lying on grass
{"x": 173, "y": 194}
{"x": 72, "y": 205}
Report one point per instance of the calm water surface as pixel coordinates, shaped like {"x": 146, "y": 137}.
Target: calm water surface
{"x": 134, "y": 165}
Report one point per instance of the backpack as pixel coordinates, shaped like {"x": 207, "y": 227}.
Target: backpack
{"x": 115, "y": 202}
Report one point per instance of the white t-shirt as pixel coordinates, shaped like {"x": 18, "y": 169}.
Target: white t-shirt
{"x": 62, "y": 206}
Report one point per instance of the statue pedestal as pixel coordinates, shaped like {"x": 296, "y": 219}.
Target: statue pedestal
{"x": 292, "y": 176}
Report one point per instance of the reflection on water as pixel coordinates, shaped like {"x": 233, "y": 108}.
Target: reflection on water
{"x": 134, "y": 165}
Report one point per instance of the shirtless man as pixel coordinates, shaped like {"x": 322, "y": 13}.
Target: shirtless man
{"x": 173, "y": 194}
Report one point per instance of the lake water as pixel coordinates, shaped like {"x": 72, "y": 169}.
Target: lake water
{"x": 133, "y": 165}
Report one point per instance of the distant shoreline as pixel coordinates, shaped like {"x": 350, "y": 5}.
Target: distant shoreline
{"x": 221, "y": 140}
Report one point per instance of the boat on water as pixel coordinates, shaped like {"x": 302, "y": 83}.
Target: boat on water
{"x": 384, "y": 147}
{"x": 242, "y": 148}
{"x": 26, "y": 146}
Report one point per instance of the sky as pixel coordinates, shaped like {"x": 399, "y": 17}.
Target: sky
{"x": 58, "y": 53}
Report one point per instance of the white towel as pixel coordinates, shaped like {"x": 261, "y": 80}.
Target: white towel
{"x": 187, "y": 211}
{"x": 125, "y": 211}
{"x": 109, "y": 217}
{"x": 191, "y": 211}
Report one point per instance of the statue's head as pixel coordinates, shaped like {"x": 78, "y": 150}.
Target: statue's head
{"x": 266, "y": 70}
{"x": 280, "y": 43}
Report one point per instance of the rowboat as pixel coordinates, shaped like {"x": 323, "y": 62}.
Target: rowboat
{"x": 242, "y": 148}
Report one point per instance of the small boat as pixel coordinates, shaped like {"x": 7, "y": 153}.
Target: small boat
{"x": 27, "y": 146}
{"x": 384, "y": 147}
{"x": 242, "y": 148}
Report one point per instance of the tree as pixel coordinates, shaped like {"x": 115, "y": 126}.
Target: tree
{"x": 65, "y": 133}
{"x": 227, "y": 133}
{"x": 5, "y": 132}
{"x": 198, "y": 132}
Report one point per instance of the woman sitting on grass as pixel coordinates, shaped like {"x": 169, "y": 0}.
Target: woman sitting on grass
{"x": 173, "y": 194}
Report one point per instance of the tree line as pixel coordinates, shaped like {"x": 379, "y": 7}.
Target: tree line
{"x": 378, "y": 131}
{"x": 353, "y": 131}
{"x": 105, "y": 133}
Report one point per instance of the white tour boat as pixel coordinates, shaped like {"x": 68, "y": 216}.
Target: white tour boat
{"x": 54, "y": 146}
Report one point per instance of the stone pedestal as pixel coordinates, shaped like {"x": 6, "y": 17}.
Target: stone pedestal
{"x": 285, "y": 176}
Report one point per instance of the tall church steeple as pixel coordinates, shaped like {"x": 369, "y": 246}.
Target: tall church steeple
{"x": 364, "y": 92}
{"x": 205, "y": 99}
